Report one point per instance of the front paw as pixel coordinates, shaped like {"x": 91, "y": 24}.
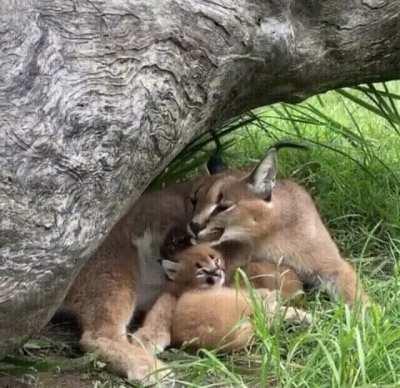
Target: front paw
{"x": 151, "y": 371}
{"x": 148, "y": 341}
{"x": 296, "y": 315}
{"x": 269, "y": 296}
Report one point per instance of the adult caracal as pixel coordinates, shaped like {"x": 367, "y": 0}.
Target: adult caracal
{"x": 202, "y": 312}
{"x": 279, "y": 219}
{"x": 114, "y": 282}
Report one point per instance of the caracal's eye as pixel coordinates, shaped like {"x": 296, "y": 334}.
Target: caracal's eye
{"x": 225, "y": 205}
{"x": 198, "y": 265}
{"x": 221, "y": 204}
{"x": 211, "y": 256}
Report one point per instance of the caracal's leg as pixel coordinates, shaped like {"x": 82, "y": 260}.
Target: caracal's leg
{"x": 341, "y": 280}
{"x": 275, "y": 277}
{"x": 127, "y": 360}
{"x": 273, "y": 306}
{"x": 103, "y": 298}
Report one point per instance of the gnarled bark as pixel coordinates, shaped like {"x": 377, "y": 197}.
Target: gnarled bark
{"x": 96, "y": 97}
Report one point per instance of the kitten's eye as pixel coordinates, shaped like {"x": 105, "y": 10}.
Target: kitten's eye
{"x": 212, "y": 257}
{"x": 198, "y": 265}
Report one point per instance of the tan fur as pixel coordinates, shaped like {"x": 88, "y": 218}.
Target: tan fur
{"x": 287, "y": 229}
{"x": 192, "y": 262}
{"x": 274, "y": 276}
{"x": 219, "y": 318}
{"x": 203, "y": 314}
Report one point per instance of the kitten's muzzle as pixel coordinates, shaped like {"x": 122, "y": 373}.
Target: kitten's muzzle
{"x": 214, "y": 277}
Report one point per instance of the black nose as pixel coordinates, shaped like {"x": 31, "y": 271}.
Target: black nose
{"x": 210, "y": 280}
{"x": 195, "y": 227}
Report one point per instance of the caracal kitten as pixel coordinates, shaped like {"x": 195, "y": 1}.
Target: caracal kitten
{"x": 272, "y": 276}
{"x": 204, "y": 313}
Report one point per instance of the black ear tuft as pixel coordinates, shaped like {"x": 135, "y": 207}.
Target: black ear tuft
{"x": 268, "y": 195}
{"x": 215, "y": 164}
{"x": 262, "y": 179}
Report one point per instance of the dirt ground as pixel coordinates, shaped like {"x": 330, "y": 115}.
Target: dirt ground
{"x": 47, "y": 380}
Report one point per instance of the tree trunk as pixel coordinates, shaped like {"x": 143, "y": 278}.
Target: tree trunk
{"x": 96, "y": 97}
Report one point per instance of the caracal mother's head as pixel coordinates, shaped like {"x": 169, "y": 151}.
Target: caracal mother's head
{"x": 232, "y": 207}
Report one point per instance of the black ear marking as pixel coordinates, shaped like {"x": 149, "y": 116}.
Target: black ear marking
{"x": 262, "y": 179}
{"x": 268, "y": 198}
{"x": 215, "y": 164}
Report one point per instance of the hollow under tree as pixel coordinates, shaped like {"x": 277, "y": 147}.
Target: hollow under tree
{"x": 96, "y": 97}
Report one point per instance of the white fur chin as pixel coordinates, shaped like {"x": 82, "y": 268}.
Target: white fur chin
{"x": 233, "y": 234}
{"x": 215, "y": 243}
{"x": 207, "y": 235}
{"x": 202, "y": 235}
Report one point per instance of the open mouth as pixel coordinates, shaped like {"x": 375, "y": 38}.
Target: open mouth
{"x": 213, "y": 281}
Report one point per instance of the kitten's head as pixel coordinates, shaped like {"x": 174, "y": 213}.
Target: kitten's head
{"x": 197, "y": 267}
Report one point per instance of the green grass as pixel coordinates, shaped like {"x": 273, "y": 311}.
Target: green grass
{"x": 352, "y": 171}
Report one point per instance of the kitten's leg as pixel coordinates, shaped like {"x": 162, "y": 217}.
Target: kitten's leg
{"x": 155, "y": 334}
{"x": 239, "y": 338}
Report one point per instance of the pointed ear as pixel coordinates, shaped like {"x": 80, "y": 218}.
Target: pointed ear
{"x": 262, "y": 180}
{"x": 170, "y": 268}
